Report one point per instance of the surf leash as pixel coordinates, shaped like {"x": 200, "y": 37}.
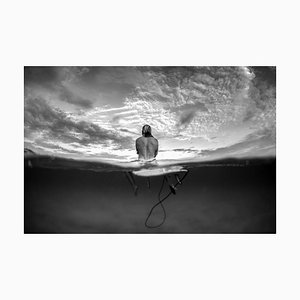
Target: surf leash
{"x": 160, "y": 202}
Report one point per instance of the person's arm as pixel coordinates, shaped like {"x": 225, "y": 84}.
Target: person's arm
{"x": 156, "y": 150}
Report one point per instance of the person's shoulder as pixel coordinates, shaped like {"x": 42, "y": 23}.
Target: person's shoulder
{"x": 155, "y": 140}
{"x": 139, "y": 139}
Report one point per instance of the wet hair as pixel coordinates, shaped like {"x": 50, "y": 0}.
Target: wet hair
{"x": 146, "y": 131}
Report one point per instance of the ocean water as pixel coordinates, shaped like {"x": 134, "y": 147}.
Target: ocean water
{"x": 228, "y": 196}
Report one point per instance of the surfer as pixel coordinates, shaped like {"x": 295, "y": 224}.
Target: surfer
{"x": 146, "y": 145}
{"x": 147, "y": 149}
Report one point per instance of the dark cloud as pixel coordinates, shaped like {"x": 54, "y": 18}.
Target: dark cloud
{"x": 72, "y": 98}
{"x": 54, "y": 124}
{"x": 52, "y": 80}
{"x": 262, "y": 95}
{"x": 188, "y": 111}
{"x": 265, "y": 74}
{"x": 102, "y": 85}
{"x": 83, "y": 86}
{"x": 187, "y": 117}
{"x": 129, "y": 131}
{"x": 45, "y": 76}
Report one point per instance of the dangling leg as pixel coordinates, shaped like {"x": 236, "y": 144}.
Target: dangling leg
{"x": 130, "y": 178}
{"x": 171, "y": 185}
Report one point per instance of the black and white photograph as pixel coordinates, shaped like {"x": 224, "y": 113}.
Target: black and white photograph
{"x": 150, "y": 149}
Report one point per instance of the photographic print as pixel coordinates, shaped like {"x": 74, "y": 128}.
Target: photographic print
{"x": 150, "y": 149}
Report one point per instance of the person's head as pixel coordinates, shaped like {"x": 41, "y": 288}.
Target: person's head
{"x": 146, "y": 131}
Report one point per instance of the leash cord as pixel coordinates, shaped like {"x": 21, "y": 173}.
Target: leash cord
{"x": 160, "y": 202}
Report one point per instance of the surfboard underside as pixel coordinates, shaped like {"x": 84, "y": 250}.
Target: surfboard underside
{"x": 159, "y": 171}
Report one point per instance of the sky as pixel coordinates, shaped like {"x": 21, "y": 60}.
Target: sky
{"x": 196, "y": 113}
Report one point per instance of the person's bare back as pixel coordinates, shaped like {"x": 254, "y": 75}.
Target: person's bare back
{"x": 146, "y": 145}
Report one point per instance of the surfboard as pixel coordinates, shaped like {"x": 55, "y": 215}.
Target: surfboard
{"x": 159, "y": 171}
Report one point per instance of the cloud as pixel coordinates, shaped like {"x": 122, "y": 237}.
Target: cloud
{"x": 85, "y": 87}
{"x": 102, "y": 109}
{"x": 54, "y": 84}
{"x": 46, "y": 76}
{"x": 67, "y": 95}
{"x": 188, "y": 111}
{"x": 203, "y": 99}
{"x": 254, "y": 144}
{"x": 44, "y": 123}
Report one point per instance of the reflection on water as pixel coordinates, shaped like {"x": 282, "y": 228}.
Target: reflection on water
{"x": 47, "y": 161}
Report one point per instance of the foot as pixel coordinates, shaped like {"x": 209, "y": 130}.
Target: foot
{"x": 173, "y": 189}
{"x": 178, "y": 179}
